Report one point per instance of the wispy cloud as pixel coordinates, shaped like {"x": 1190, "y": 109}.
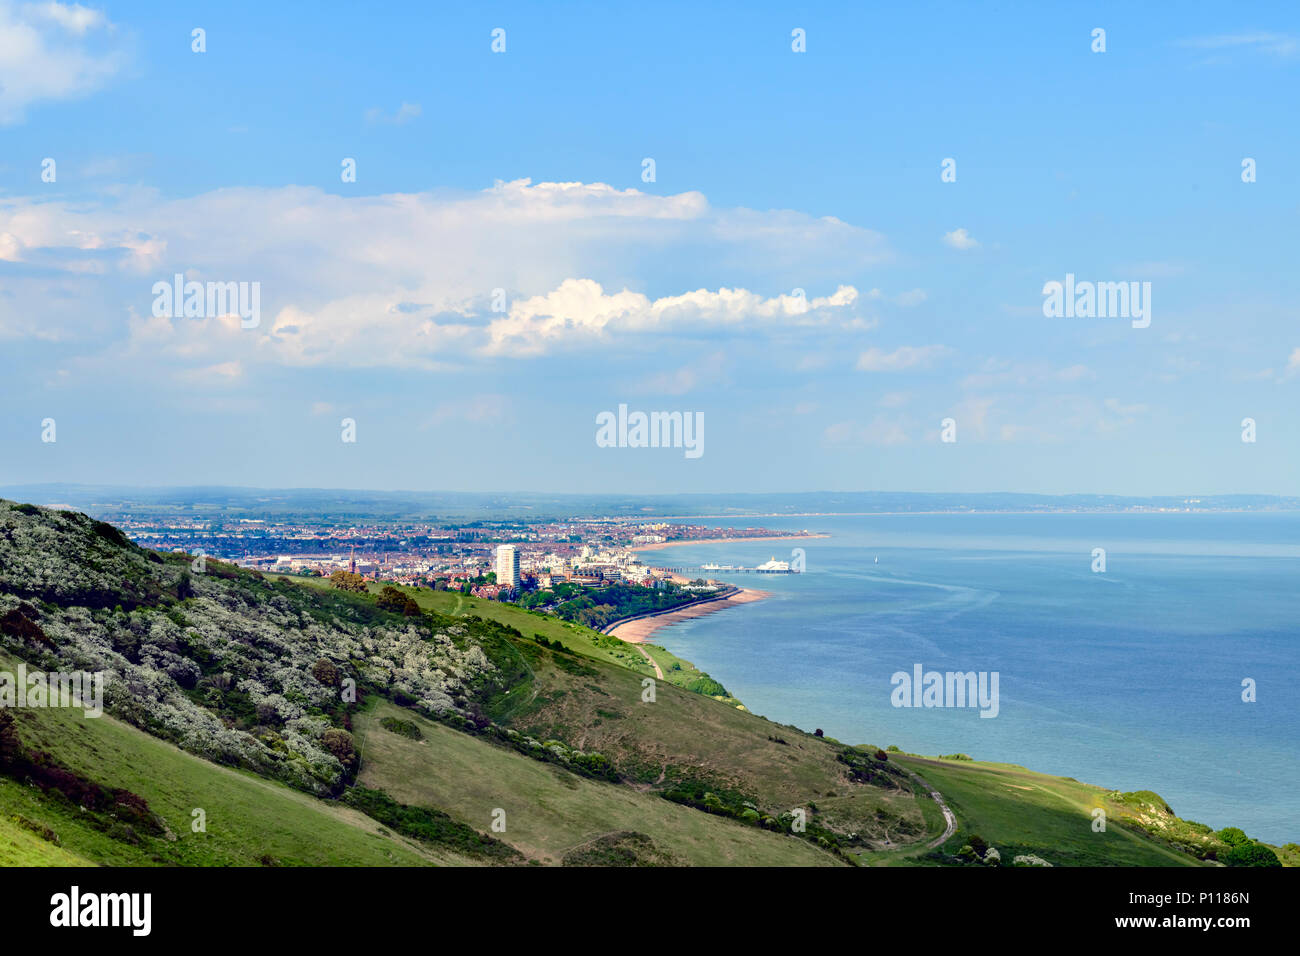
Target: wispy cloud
{"x": 904, "y": 357}
{"x": 959, "y": 239}
{"x": 53, "y": 51}
{"x": 1273, "y": 44}
{"x": 405, "y": 113}
{"x": 1293, "y": 364}
{"x": 707, "y": 371}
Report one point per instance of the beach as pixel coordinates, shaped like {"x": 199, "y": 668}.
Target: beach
{"x": 639, "y": 630}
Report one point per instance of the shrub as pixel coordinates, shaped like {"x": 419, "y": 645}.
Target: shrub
{"x": 403, "y": 728}
{"x": 325, "y": 672}
{"x": 1250, "y": 854}
{"x": 708, "y": 687}
{"x": 20, "y": 622}
{"x": 40, "y": 829}
{"x": 1233, "y": 836}
{"x": 399, "y": 602}
{"x": 111, "y": 534}
{"x": 430, "y": 826}
{"x": 348, "y": 581}
{"x": 339, "y": 743}
{"x": 11, "y": 747}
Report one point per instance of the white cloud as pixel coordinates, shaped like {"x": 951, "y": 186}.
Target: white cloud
{"x": 580, "y": 309}
{"x": 72, "y": 17}
{"x": 1124, "y": 414}
{"x": 405, "y": 113}
{"x": 959, "y": 239}
{"x": 418, "y": 280}
{"x": 1276, "y": 44}
{"x": 52, "y": 51}
{"x": 218, "y": 374}
{"x": 904, "y": 357}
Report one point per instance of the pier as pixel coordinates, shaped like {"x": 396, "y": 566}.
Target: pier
{"x": 726, "y": 569}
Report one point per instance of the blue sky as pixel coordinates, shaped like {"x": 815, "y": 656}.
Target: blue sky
{"x": 774, "y": 171}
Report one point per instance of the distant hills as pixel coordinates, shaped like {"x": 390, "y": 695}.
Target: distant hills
{"x": 338, "y": 505}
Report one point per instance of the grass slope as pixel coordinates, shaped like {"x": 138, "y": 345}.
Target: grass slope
{"x": 1022, "y": 812}
{"x": 593, "y": 702}
{"x": 20, "y": 846}
{"x": 249, "y": 818}
{"x": 551, "y": 813}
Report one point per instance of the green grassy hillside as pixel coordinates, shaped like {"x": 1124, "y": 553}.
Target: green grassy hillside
{"x": 250, "y": 821}
{"x": 591, "y": 702}
{"x": 1025, "y": 813}
{"x": 552, "y": 815}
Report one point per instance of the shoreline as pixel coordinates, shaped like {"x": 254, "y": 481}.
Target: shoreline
{"x": 639, "y": 630}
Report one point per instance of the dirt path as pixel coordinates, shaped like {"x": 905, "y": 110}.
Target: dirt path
{"x": 949, "y": 817}
{"x": 658, "y": 673}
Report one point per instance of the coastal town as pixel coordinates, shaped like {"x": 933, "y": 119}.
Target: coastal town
{"x": 539, "y": 564}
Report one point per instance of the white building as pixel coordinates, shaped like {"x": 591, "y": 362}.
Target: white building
{"x": 508, "y": 566}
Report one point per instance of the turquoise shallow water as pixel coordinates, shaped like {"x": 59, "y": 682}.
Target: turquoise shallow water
{"x": 1130, "y": 679}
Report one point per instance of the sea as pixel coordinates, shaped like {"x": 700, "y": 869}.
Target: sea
{"x": 1131, "y": 677}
